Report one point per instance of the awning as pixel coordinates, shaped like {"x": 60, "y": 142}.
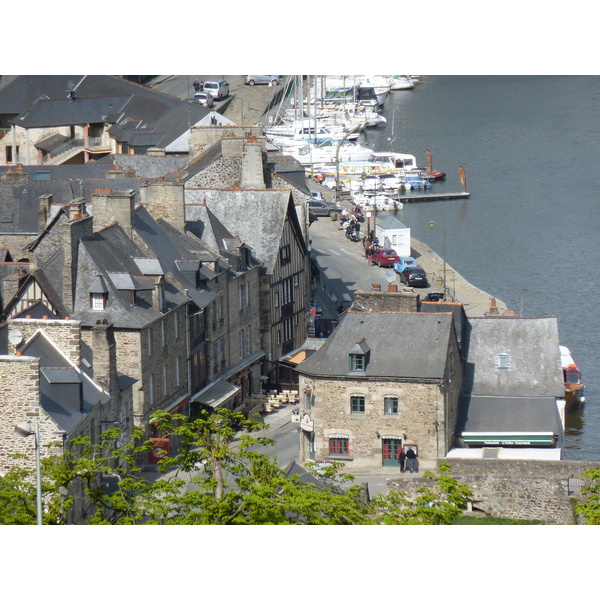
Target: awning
{"x": 216, "y": 394}
{"x": 537, "y": 438}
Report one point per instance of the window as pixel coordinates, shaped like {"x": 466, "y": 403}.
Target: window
{"x": 177, "y": 380}
{"x": 165, "y": 382}
{"x": 151, "y": 391}
{"x": 278, "y": 337}
{"x": 357, "y": 362}
{"x": 149, "y": 342}
{"x": 284, "y": 255}
{"x": 296, "y": 280}
{"x": 357, "y": 404}
{"x": 176, "y": 325}
{"x": 338, "y": 446}
{"x": 307, "y": 398}
{"x": 276, "y": 299}
{"x": 97, "y": 301}
{"x": 502, "y": 361}
{"x": 163, "y": 333}
{"x": 241, "y": 343}
{"x": 390, "y": 405}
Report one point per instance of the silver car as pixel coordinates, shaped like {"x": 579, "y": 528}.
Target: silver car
{"x": 204, "y": 99}
{"x": 265, "y": 79}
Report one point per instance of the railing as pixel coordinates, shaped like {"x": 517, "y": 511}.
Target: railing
{"x": 73, "y": 143}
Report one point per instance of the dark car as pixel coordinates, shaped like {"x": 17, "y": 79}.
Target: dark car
{"x": 384, "y": 257}
{"x": 320, "y": 208}
{"x": 414, "y": 277}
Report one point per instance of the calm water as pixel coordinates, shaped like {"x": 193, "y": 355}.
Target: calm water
{"x": 528, "y": 234}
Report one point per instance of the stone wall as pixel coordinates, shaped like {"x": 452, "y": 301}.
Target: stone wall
{"x": 516, "y": 489}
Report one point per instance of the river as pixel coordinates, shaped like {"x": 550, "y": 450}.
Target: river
{"x": 528, "y": 233}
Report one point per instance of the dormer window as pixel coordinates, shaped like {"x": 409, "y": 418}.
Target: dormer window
{"x": 359, "y": 356}
{"x": 98, "y": 292}
{"x": 98, "y": 301}
{"x": 502, "y": 361}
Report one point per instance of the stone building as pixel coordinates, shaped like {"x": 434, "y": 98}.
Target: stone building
{"x": 48, "y": 375}
{"x": 383, "y": 380}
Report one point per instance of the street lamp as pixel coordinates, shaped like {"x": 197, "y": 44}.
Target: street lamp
{"x": 431, "y": 224}
{"x": 338, "y": 196}
{"x": 25, "y": 429}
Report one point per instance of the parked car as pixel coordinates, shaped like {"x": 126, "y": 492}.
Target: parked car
{"x": 320, "y": 208}
{"x": 403, "y": 262}
{"x": 414, "y": 277}
{"x": 204, "y": 99}
{"x": 316, "y": 195}
{"x": 265, "y": 79}
{"x": 435, "y": 297}
{"x": 217, "y": 89}
{"x": 384, "y": 257}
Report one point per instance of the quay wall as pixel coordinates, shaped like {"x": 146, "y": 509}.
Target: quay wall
{"x": 515, "y": 489}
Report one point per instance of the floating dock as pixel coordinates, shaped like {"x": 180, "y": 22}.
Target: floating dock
{"x": 432, "y": 196}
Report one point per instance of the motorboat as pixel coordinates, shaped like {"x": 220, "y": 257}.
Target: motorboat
{"x": 325, "y": 154}
{"x": 574, "y": 388}
{"x": 402, "y": 82}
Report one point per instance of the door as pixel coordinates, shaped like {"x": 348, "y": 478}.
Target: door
{"x": 391, "y": 450}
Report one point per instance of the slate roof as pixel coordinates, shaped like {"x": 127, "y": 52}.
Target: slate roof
{"x": 100, "y": 98}
{"x": 401, "y": 345}
{"x": 110, "y": 253}
{"x": 66, "y": 393}
{"x": 493, "y": 414}
{"x": 257, "y": 217}
{"x": 531, "y": 345}
{"x": 179, "y": 255}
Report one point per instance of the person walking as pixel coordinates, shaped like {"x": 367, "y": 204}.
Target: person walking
{"x": 402, "y": 459}
{"x": 196, "y": 85}
{"x": 411, "y": 460}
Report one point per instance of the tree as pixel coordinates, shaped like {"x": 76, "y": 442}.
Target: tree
{"x": 589, "y": 507}
{"x": 218, "y": 476}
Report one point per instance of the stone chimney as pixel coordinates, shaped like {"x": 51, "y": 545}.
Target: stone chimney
{"x": 166, "y": 200}
{"x": 104, "y": 348}
{"x": 493, "y": 311}
{"x": 109, "y": 206}
{"x": 158, "y": 294}
{"x": 120, "y": 173}
{"x": 389, "y": 301}
{"x": 17, "y": 176}
{"x": 252, "y": 166}
{"x": 44, "y": 211}
{"x": 79, "y": 225}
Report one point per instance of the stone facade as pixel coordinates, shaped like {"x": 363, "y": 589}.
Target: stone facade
{"x": 516, "y": 489}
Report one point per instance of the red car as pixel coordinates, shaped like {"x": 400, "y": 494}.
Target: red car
{"x": 385, "y": 257}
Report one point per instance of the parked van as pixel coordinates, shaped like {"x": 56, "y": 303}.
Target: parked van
{"x": 217, "y": 89}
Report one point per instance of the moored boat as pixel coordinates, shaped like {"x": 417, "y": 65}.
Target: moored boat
{"x": 574, "y": 388}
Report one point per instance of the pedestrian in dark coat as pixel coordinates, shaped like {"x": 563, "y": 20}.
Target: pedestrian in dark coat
{"x": 402, "y": 460}
{"x": 196, "y": 85}
{"x": 411, "y": 460}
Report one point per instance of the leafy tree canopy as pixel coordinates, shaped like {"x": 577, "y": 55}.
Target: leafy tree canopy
{"x": 218, "y": 476}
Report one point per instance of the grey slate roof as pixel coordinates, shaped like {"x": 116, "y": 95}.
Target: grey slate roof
{"x": 508, "y": 415}
{"x": 257, "y": 217}
{"x": 402, "y": 345}
{"x": 165, "y": 116}
{"x": 178, "y": 254}
{"x": 531, "y": 345}
{"x": 66, "y": 394}
{"x": 111, "y": 253}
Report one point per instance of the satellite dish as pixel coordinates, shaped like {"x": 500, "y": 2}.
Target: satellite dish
{"x": 15, "y": 337}
{"x": 390, "y": 276}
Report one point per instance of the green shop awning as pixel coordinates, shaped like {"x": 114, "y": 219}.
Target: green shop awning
{"x": 545, "y": 438}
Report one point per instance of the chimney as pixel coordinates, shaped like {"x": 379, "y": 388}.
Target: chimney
{"x": 252, "y": 166}
{"x": 104, "y": 350}
{"x": 158, "y": 294}
{"x": 109, "y": 206}
{"x": 79, "y": 225}
{"x": 44, "y": 211}
{"x": 166, "y": 200}
{"x": 493, "y": 312}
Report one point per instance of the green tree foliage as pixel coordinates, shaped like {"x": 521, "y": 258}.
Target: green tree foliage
{"x": 589, "y": 507}
{"x": 219, "y": 476}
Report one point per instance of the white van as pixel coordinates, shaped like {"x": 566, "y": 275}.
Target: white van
{"x": 217, "y": 89}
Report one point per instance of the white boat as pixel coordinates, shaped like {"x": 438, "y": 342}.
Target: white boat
{"x": 322, "y": 155}
{"x": 379, "y": 162}
{"x": 402, "y": 82}
{"x": 307, "y": 130}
